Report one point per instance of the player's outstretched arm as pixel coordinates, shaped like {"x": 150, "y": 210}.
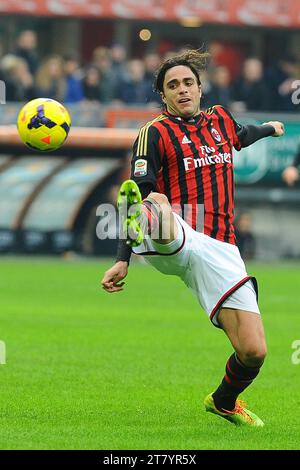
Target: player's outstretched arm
{"x": 278, "y": 126}
{"x": 112, "y": 277}
{"x": 249, "y": 134}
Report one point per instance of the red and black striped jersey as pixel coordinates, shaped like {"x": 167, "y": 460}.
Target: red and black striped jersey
{"x": 190, "y": 161}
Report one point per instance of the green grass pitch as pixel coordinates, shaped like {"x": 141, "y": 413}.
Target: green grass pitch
{"x": 90, "y": 370}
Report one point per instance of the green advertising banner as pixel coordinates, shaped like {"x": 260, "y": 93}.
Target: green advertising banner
{"x": 264, "y": 161}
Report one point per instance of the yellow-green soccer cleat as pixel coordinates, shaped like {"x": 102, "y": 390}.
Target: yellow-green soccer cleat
{"x": 239, "y": 415}
{"x": 129, "y": 205}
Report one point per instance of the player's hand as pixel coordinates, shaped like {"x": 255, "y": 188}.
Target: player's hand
{"x": 278, "y": 126}
{"x": 290, "y": 175}
{"x": 113, "y": 276}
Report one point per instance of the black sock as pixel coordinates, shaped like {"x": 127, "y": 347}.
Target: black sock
{"x": 237, "y": 378}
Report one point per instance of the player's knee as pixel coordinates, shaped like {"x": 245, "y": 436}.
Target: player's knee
{"x": 164, "y": 228}
{"x": 253, "y": 355}
{"x": 159, "y": 199}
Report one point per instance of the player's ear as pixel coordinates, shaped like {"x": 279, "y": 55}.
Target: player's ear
{"x": 200, "y": 90}
{"x": 163, "y": 98}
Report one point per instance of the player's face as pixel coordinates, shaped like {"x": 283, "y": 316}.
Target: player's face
{"x": 181, "y": 92}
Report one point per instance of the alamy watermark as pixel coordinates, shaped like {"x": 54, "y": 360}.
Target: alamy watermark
{"x": 2, "y": 92}
{"x": 2, "y": 353}
{"x": 109, "y": 226}
{"x": 295, "y": 358}
{"x": 296, "y": 94}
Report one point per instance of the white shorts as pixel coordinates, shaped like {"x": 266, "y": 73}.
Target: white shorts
{"x": 212, "y": 269}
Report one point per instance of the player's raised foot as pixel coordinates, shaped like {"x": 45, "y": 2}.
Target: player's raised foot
{"x": 239, "y": 415}
{"x": 129, "y": 205}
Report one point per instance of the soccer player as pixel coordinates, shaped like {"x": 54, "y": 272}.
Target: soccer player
{"x": 182, "y": 164}
{"x": 291, "y": 174}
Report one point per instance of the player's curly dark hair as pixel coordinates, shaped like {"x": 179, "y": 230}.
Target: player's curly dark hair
{"x": 195, "y": 59}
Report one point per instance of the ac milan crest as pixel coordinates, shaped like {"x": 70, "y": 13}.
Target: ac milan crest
{"x": 216, "y": 135}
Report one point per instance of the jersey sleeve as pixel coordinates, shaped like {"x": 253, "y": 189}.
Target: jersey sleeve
{"x": 147, "y": 156}
{"x": 237, "y": 129}
{"x": 245, "y": 135}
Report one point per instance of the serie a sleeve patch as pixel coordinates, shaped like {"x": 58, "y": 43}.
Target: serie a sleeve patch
{"x": 140, "y": 167}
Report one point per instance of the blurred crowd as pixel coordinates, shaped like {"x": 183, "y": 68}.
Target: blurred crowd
{"x": 114, "y": 78}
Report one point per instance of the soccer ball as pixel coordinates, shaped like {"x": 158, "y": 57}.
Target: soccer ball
{"x": 43, "y": 124}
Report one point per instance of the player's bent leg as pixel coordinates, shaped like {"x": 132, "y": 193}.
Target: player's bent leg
{"x": 246, "y": 334}
{"x": 162, "y": 223}
{"x": 153, "y": 216}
